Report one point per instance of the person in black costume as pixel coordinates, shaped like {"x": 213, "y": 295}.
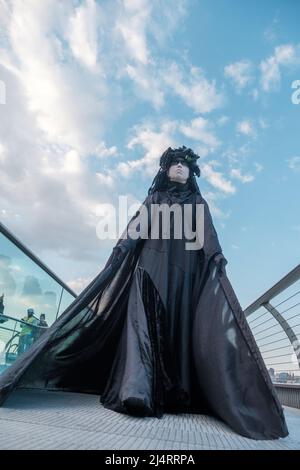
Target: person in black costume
{"x": 166, "y": 310}
{"x": 160, "y": 328}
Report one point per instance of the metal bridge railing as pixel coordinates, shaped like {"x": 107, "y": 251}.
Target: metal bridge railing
{"x": 274, "y": 319}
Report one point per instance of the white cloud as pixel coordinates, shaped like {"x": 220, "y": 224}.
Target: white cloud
{"x": 3, "y": 153}
{"x": 270, "y": 32}
{"x": 155, "y": 139}
{"x": 53, "y": 121}
{"x": 213, "y": 199}
{"x": 258, "y": 167}
{"x": 217, "y": 179}
{"x": 77, "y": 285}
{"x": 236, "y": 155}
{"x": 141, "y": 26}
{"x": 194, "y": 89}
{"x": 132, "y": 26}
{"x": 269, "y": 35}
{"x": 241, "y": 73}
{"x": 156, "y": 80}
{"x": 263, "y": 123}
{"x": 148, "y": 86}
{"x": 200, "y": 129}
{"x": 285, "y": 55}
{"x": 69, "y": 108}
{"x": 154, "y": 144}
{"x": 246, "y": 127}
{"x": 71, "y": 162}
{"x": 49, "y": 195}
{"x": 294, "y": 164}
{"x": 107, "y": 179}
{"x": 103, "y": 152}
{"x": 82, "y": 33}
{"x": 222, "y": 120}
{"x": 166, "y": 20}
{"x": 236, "y": 173}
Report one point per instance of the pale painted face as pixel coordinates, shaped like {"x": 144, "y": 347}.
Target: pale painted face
{"x": 179, "y": 171}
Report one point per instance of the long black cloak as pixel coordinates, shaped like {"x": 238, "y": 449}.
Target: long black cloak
{"x": 161, "y": 325}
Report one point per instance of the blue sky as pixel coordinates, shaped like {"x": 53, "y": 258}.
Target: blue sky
{"x": 96, "y": 91}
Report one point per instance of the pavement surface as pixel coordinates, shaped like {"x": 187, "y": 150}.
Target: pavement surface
{"x": 32, "y": 419}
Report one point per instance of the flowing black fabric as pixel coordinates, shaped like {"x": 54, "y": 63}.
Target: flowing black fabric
{"x": 159, "y": 330}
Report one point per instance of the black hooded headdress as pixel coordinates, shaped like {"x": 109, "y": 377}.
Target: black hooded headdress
{"x": 160, "y": 181}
